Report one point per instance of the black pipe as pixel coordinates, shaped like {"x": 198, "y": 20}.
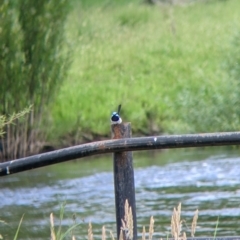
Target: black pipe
{"x": 119, "y": 145}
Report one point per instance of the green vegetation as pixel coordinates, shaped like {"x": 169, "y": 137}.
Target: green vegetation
{"x": 4, "y": 121}
{"x": 174, "y": 68}
{"x": 215, "y": 232}
{"x": 17, "y": 232}
{"x": 33, "y": 64}
{"x": 169, "y": 66}
{"x": 60, "y": 234}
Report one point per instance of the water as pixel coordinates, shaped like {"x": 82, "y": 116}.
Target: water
{"x": 205, "y": 179}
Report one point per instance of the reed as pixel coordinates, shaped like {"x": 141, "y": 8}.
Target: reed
{"x": 127, "y": 223}
{"x": 103, "y": 233}
{"x": 90, "y": 233}
{"x": 16, "y": 127}
{"x": 176, "y": 222}
{"x": 194, "y": 223}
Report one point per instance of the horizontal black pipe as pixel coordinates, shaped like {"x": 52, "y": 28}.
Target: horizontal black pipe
{"x": 118, "y": 145}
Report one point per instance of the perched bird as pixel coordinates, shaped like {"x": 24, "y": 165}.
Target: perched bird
{"x": 115, "y": 118}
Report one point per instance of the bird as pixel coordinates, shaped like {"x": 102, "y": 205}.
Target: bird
{"x": 115, "y": 118}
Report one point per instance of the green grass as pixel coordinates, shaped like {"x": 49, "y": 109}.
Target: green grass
{"x": 167, "y": 66}
{"x": 17, "y": 232}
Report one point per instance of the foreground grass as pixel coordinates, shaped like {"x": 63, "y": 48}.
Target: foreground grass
{"x": 168, "y": 66}
{"x": 179, "y": 230}
{"x": 176, "y": 227}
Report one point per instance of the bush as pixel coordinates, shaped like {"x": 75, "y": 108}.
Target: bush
{"x": 33, "y": 65}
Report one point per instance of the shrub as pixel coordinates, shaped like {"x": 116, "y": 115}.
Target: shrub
{"x": 33, "y": 65}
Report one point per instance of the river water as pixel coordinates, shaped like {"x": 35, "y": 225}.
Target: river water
{"x": 207, "y": 179}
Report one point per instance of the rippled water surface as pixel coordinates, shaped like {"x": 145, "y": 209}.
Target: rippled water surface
{"x": 205, "y": 179}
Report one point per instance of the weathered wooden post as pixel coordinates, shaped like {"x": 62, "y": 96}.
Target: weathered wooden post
{"x": 123, "y": 179}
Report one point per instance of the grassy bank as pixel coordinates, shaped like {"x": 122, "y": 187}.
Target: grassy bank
{"x": 167, "y": 66}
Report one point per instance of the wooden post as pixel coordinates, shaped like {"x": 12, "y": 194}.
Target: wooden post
{"x": 123, "y": 179}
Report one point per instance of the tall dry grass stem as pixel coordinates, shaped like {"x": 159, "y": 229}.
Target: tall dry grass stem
{"x": 53, "y": 235}
{"x": 144, "y": 233}
{"x": 103, "y": 233}
{"x": 151, "y": 228}
{"x": 111, "y": 235}
{"x": 127, "y": 222}
{"x": 176, "y": 223}
{"x": 194, "y": 223}
{"x": 90, "y": 233}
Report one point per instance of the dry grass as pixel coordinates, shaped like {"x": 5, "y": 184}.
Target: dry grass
{"x": 111, "y": 235}
{"x": 176, "y": 224}
{"x": 53, "y": 235}
{"x": 151, "y": 228}
{"x": 144, "y": 233}
{"x": 194, "y": 223}
{"x": 90, "y": 233}
{"x": 127, "y": 227}
{"x": 127, "y": 223}
{"x": 103, "y": 233}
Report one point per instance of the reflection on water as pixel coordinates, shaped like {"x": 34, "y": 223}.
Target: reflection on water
{"x": 207, "y": 179}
